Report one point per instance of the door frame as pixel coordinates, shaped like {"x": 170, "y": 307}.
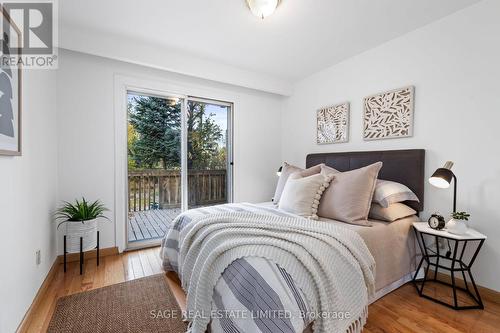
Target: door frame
{"x": 184, "y": 180}
{"x": 230, "y": 142}
{"x": 122, "y": 85}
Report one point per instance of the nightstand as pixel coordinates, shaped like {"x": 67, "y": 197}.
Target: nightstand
{"x": 452, "y": 260}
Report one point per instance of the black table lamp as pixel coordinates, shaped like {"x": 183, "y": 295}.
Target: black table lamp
{"x": 442, "y": 178}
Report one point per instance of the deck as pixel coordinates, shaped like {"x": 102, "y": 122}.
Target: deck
{"x": 150, "y": 224}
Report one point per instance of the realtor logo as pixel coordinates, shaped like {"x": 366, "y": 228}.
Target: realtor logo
{"x": 29, "y": 34}
{"x": 35, "y": 22}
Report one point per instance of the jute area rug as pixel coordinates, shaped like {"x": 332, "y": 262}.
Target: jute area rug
{"x": 143, "y": 305}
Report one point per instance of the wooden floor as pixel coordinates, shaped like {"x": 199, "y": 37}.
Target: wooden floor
{"x": 150, "y": 224}
{"x": 400, "y": 311}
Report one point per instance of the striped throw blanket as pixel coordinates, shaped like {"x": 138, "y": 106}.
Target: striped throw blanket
{"x": 328, "y": 270}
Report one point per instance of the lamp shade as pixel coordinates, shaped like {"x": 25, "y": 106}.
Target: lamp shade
{"x": 262, "y": 8}
{"x": 441, "y": 178}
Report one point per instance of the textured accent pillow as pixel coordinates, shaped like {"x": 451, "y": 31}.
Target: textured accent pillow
{"x": 287, "y": 170}
{"x": 326, "y": 170}
{"x": 388, "y": 192}
{"x": 392, "y": 213}
{"x": 349, "y": 196}
{"x": 301, "y": 195}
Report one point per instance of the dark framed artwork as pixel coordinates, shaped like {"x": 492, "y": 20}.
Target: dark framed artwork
{"x": 10, "y": 89}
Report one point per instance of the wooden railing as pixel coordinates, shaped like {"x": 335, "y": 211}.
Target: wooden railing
{"x": 161, "y": 189}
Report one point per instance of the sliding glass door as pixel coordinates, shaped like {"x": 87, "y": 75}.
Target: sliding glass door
{"x": 208, "y": 152}
{"x": 179, "y": 153}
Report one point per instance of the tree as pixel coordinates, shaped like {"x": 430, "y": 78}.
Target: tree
{"x": 156, "y": 123}
{"x": 131, "y": 139}
{"x": 203, "y": 137}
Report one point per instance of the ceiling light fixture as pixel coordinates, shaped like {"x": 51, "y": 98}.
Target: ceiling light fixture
{"x": 263, "y": 8}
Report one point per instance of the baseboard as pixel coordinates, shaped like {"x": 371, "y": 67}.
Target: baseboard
{"x": 73, "y": 257}
{"x": 23, "y": 326}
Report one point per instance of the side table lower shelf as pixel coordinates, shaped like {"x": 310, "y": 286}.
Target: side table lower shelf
{"x": 82, "y": 254}
{"x": 435, "y": 259}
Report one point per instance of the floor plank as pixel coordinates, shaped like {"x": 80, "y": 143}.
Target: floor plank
{"x": 136, "y": 264}
{"x": 400, "y": 311}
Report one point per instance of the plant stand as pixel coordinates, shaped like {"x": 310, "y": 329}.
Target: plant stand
{"x": 82, "y": 254}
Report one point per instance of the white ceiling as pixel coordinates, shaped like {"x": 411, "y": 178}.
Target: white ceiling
{"x": 301, "y": 38}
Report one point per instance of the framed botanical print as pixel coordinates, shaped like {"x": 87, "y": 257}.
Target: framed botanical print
{"x": 389, "y": 115}
{"x": 332, "y": 124}
{"x": 10, "y": 90}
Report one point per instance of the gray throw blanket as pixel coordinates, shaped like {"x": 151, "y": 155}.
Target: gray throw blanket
{"x": 331, "y": 264}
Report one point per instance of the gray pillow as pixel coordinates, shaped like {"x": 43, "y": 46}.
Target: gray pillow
{"x": 389, "y": 192}
{"x": 349, "y": 196}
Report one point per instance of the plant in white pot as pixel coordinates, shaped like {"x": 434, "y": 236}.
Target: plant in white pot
{"x": 457, "y": 223}
{"x": 80, "y": 219}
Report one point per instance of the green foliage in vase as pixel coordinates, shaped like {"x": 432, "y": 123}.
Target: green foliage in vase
{"x": 460, "y": 216}
{"x": 80, "y": 211}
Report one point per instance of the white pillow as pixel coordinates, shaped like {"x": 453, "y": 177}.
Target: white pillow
{"x": 301, "y": 195}
{"x": 392, "y": 213}
{"x": 286, "y": 171}
{"x": 388, "y": 192}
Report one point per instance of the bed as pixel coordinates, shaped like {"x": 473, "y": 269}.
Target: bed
{"x": 261, "y": 285}
{"x": 395, "y": 264}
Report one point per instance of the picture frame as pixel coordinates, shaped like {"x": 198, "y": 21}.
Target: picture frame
{"x": 389, "y": 115}
{"x": 10, "y": 93}
{"x": 332, "y": 124}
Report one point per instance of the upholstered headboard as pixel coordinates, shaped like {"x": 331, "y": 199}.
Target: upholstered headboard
{"x": 403, "y": 166}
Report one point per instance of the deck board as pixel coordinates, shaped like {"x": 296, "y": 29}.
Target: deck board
{"x": 150, "y": 224}
{"x": 157, "y": 216}
{"x": 138, "y": 233}
{"x": 145, "y": 226}
{"x": 140, "y": 224}
{"x": 154, "y": 224}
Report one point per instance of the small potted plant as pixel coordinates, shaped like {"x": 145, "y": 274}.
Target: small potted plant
{"x": 80, "y": 219}
{"x": 457, "y": 223}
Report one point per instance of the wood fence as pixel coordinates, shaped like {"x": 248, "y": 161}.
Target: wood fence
{"x": 161, "y": 189}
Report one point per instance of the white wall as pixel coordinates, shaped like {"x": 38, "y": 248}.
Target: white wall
{"x": 27, "y": 199}
{"x": 454, "y": 65}
{"x": 86, "y": 130}
{"x": 162, "y": 58}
